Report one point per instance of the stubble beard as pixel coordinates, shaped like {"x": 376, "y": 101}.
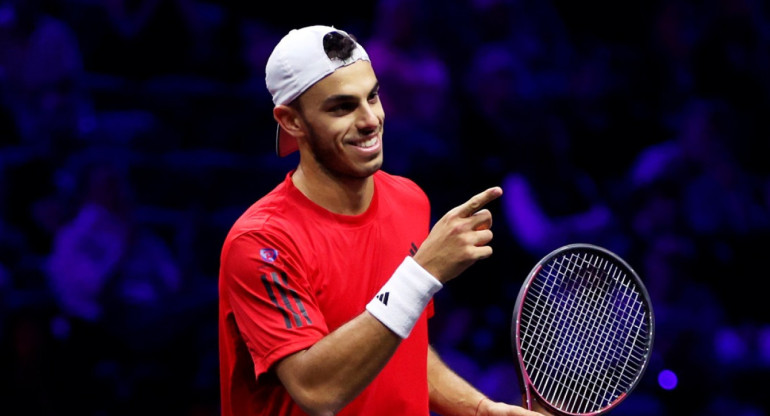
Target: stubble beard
{"x": 329, "y": 160}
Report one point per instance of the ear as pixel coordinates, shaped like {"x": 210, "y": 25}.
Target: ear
{"x": 289, "y": 120}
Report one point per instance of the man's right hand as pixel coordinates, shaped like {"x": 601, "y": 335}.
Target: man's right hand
{"x": 459, "y": 238}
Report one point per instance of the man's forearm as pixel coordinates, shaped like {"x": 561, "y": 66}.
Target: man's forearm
{"x": 331, "y": 373}
{"x": 450, "y": 394}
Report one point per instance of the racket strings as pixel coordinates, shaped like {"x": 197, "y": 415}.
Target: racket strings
{"x": 583, "y": 331}
{"x": 579, "y": 384}
{"x": 596, "y": 344}
{"x": 570, "y": 358}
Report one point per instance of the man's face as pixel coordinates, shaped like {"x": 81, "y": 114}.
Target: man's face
{"x": 344, "y": 117}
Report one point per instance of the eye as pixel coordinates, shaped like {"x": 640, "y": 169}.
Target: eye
{"x": 374, "y": 96}
{"x": 343, "y": 108}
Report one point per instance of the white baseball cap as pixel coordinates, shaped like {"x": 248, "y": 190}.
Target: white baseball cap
{"x": 296, "y": 64}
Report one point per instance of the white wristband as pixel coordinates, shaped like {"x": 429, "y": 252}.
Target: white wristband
{"x": 400, "y": 302}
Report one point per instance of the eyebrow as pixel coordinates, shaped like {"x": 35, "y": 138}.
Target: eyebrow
{"x": 347, "y": 97}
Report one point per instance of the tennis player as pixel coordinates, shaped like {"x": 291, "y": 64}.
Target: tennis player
{"x": 326, "y": 282}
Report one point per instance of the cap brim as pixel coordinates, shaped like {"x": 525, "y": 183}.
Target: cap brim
{"x": 285, "y": 144}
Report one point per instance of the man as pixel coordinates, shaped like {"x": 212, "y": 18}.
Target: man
{"x": 326, "y": 283}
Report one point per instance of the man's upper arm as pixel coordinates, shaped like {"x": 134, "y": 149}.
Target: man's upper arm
{"x": 273, "y": 304}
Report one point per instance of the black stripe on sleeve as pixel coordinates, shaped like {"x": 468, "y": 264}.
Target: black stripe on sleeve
{"x": 274, "y": 299}
{"x": 282, "y": 290}
{"x": 296, "y": 298}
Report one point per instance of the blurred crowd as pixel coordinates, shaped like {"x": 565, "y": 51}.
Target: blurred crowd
{"x": 133, "y": 132}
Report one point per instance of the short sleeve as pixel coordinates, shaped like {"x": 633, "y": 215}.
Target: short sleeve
{"x": 274, "y": 306}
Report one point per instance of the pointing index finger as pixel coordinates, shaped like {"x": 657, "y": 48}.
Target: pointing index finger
{"x": 479, "y": 200}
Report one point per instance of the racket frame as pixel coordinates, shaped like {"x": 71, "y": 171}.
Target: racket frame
{"x": 529, "y": 392}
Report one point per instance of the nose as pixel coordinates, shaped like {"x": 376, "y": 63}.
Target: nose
{"x": 369, "y": 117}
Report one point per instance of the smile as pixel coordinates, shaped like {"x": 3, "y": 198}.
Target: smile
{"x": 368, "y": 143}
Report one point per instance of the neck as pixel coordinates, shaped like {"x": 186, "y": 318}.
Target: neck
{"x": 340, "y": 195}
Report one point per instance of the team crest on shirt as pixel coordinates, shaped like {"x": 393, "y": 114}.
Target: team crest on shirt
{"x": 268, "y": 254}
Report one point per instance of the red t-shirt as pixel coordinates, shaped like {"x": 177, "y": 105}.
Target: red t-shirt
{"x": 291, "y": 272}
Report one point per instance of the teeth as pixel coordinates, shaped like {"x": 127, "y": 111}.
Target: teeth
{"x": 369, "y": 143}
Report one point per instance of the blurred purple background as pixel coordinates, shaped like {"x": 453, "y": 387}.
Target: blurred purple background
{"x": 134, "y": 132}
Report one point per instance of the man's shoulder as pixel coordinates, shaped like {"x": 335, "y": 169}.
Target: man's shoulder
{"x": 397, "y": 183}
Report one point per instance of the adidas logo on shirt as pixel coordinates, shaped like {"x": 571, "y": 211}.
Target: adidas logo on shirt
{"x": 383, "y": 297}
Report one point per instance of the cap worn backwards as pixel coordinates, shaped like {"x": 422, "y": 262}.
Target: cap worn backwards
{"x": 297, "y": 63}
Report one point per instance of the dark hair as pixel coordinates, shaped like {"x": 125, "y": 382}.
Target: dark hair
{"x": 338, "y": 46}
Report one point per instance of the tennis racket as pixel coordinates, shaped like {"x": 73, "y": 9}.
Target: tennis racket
{"x": 582, "y": 331}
